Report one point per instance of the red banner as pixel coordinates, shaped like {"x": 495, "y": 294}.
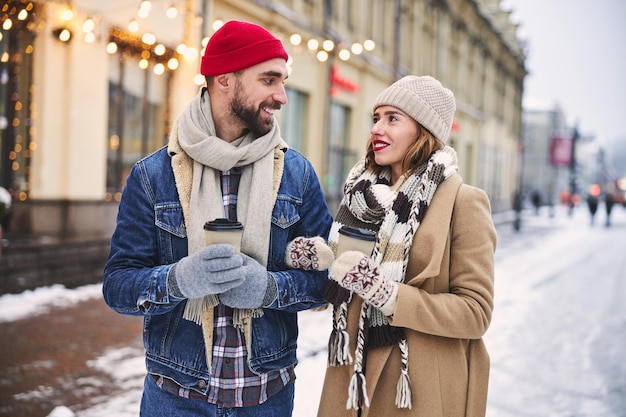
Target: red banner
{"x": 560, "y": 151}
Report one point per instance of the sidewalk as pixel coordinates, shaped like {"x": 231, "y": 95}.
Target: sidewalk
{"x": 47, "y": 360}
{"x": 50, "y": 359}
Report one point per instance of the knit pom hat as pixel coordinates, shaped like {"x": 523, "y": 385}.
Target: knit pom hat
{"x": 239, "y": 45}
{"x": 424, "y": 99}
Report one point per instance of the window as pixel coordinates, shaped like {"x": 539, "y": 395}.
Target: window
{"x": 137, "y": 117}
{"x": 16, "y": 78}
{"x": 293, "y": 123}
{"x": 339, "y": 157}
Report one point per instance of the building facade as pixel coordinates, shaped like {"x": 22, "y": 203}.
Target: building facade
{"x": 88, "y": 87}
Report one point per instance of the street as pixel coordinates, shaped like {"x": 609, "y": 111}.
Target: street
{"x": 557, "y": 340}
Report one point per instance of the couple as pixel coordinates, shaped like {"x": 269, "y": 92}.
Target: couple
{"x": 220, "y": 327}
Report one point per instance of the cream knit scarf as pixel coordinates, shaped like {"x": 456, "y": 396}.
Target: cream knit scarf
{"x": 195, "y": 132}
{"x": 395, "y": 213}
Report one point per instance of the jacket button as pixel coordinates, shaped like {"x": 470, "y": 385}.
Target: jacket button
{"x": 201, "y": 383}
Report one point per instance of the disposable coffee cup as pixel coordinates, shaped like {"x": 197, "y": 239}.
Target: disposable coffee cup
{"x": 356, "y": 238}
{"x": 224, "y": 231}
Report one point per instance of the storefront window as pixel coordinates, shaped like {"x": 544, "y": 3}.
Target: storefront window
{"x": 137, "y": 123}
{"x": 340, "y": 158}
{"x": 16, "y": 78}
{"x": 293, "y": 120}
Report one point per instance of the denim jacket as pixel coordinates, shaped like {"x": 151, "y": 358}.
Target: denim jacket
{"x": 151, "y": 236}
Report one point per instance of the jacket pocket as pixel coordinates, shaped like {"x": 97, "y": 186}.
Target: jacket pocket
{"x": 172, "y": 233}
{"x": 169, "y": 217}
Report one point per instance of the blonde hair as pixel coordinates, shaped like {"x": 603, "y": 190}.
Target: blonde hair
{"x": 417, "y": 154}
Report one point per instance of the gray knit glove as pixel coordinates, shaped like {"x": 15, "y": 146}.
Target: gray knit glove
{"x": 309, "y": 254}
{"x": 212, "y": 270}
{"x": 259, "y": 289}
{"x": 357, "y": 272}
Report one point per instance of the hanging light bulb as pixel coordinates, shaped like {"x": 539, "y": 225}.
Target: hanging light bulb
{"x": 328, "y": 45}
{"x": 133, "y": 26}
{"x": 148, "y": 38}
{"x": 344, "y": 54}
{"x": 111, "y": 48}
{"x": 356, "y": 48}
{"x": 217, "y": 24}
{"x": 159, "y": 49}
{"x": 199, "y": 79}
{"x": 62, "y": 34}
{"x": 171, "y": 12}
{"x": 67, "y": 14}
{"x": 172, "y": 63}
{"x": 88, "y": 25}
{"x": 159, "y": 69}
{"x": 295, "y": 39}
{"x": 369, "y": 45}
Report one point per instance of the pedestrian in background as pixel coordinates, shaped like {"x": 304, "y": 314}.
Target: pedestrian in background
{"x": 409, "y": 317}
{"x": 592, "y": 202}
{"x": 220, "y": 326}
{"x": 609, "y": 201}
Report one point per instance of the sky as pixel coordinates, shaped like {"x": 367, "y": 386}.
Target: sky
{"x": 576, "y": 58}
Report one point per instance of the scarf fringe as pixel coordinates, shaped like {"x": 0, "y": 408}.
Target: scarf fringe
{"x": 403, "y": 388}
{"x": 403, "y": 391}
{"x": 196, "y": 306}
{"x": 339, "y": 341}
{"x": 241, "y": 317}
{"x": 357, "y": 392}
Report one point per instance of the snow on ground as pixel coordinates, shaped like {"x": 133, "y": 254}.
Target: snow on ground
{"x": 549, "y": 246}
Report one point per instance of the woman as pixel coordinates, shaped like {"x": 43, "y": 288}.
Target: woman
{"x": 409, "y": 317}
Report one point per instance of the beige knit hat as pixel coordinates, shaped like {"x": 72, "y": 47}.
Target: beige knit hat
{"x": 424, "y": 99}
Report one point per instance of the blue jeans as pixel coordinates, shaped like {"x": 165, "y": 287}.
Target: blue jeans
{"x": 156, "y": 403}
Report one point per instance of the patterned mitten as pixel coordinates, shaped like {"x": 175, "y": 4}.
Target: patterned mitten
{"x": 355, "y": 271}
{"x": 309, "y": 254}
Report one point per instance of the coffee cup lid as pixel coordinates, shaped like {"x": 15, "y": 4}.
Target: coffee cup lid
{"x": 358, "y": 233}
{"x": 221, "y": 225}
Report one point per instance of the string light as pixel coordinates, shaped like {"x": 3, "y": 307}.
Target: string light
{"x": 88, "y": 25}
{"x": 356, "y": 48}
{"x": 133, "y": 26}
{"x": 328, "y": 45}
{"x": 344, "y": 54}
{"x": 322, "y": 56}
{"x": 171, "y": 12}
{"x": 295, "y": 39}
{"x": 67, "y": 14}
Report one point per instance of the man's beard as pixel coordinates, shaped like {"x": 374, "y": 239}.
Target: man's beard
{"x": 250, "y": 116}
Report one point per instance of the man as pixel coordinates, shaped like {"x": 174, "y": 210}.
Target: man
{"x": 220, "y": 327}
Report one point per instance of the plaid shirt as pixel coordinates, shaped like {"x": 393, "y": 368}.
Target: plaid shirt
{"x": 232, "y": 383}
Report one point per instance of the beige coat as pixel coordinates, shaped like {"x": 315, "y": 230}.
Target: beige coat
{"x": 445, "y": 308}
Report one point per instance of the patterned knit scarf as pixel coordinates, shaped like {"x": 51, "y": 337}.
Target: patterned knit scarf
{"x": 395, "y": 213}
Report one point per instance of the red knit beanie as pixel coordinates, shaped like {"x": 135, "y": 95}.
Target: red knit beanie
{"x": 238, "y": 45}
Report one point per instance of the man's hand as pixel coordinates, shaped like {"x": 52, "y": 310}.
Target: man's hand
{"x": 212, "y": 270}
{"x": 258, "y": 290}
